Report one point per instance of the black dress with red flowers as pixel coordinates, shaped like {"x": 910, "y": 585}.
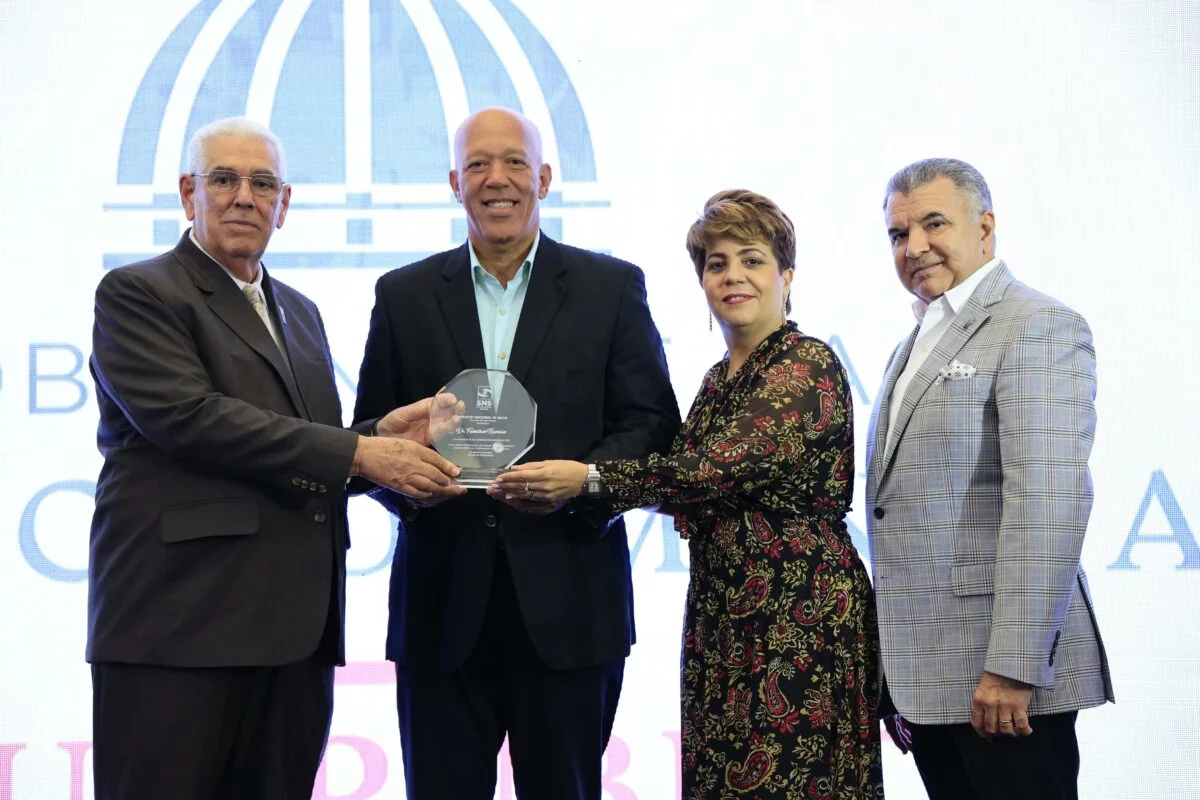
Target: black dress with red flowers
{"x": 780, "y": 645}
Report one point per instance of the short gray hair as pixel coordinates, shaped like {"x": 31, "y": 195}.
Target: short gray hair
{"x": 965, "y": 177}
{"x": 232, "y": 126}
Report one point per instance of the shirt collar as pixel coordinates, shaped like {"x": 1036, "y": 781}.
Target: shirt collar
{"x": 477, "y": 268}
{"x": 256, "y": 283}
{"x": 954, "y": 299}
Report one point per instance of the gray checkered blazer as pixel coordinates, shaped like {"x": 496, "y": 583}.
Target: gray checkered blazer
{"x": 976, "y": 512}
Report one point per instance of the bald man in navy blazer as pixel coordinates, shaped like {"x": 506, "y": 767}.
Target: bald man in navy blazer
{"x": 512, "y": 616}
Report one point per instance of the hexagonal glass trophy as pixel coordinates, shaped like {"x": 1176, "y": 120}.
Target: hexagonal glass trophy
{"x": 489, "y": 427}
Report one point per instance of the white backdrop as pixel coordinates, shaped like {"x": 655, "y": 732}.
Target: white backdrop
{"x": 1084, "y": 117}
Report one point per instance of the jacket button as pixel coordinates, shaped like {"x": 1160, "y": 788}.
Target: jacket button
{"x": 490, "y": 521}
{"x": 320, "y": 516}
{"x": 878, "y": 512}
{"x": 322, "y": 489}
{"x": 295, "y": 481}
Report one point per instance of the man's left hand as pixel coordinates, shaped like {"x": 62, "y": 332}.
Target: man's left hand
{"x": 1000, "y": 707}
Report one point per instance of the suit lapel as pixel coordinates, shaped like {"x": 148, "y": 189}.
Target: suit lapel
{"x": 285, "y": 314}
{"x": 456, "y": 299}
{"x": 542, "y": 299}
{"x": 228, "y": 303}
{"x": 879, "y": 422}
{"x": 972, "y": 317}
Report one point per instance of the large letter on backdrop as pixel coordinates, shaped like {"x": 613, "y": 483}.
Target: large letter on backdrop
{"x": 1181, "y": 532}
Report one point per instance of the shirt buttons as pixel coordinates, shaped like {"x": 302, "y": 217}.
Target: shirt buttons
{"x": 502, "y": 311}
{"x": 503, "y": 355}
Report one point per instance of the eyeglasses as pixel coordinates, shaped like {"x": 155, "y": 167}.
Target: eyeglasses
{"x": 224, "y": 181}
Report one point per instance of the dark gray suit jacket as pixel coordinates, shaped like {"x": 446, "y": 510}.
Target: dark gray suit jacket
{"x": 219, "y": 534}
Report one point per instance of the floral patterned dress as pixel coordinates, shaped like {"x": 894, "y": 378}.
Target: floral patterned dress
{"x": 780, "y": 645}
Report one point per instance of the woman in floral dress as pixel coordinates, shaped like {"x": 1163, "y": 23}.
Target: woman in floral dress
{"x": 780, "y": 646}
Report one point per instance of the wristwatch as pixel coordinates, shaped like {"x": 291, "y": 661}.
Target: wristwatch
{"x": 591, "y": 486}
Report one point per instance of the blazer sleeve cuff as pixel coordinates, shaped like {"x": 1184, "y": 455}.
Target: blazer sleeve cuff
{"x": 1012, "y": 660}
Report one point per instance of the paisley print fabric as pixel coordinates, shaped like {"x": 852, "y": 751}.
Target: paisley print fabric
{"x": 780, "y": 645}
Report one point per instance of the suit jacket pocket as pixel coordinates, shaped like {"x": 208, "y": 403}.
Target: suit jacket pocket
{"x": 963, "y": 387}
{"x": 970, "y": 579}
{"x": 210, "y": 518}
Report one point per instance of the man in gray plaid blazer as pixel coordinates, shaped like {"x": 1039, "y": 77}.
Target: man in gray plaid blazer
{"x": 978, "y": 497}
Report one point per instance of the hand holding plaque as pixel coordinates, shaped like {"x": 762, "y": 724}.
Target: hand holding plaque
{"x": 483, "y": 420}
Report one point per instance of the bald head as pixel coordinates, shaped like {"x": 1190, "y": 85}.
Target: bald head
{"x": 494, "y": 122}
{"x": 500, "y": 178}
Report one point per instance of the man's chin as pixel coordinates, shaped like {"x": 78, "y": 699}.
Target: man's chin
{"x": 235, "y": 254}
{"x": 927, "y": 290}
{"x": 243, "y": 245}
{"x": 501, "y": 236}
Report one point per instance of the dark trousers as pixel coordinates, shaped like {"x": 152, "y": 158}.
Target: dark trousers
{"x": 248, "y": 733}
{"x": 956, "y": 763}
{"x": 557, "y": 721}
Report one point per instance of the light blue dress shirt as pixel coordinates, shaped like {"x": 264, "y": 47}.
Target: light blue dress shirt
{"x": 499, "y": 307}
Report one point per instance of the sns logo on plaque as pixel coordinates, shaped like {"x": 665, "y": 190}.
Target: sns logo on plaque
{"x": 483, "y": 398}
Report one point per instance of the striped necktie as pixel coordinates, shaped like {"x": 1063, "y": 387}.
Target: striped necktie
{"x": 260, "y": 307}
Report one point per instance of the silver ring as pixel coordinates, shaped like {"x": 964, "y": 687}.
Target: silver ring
{"x": 1006, "y": 722}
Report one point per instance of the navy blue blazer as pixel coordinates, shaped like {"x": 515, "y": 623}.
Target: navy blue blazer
{"x": 588, "y": 352}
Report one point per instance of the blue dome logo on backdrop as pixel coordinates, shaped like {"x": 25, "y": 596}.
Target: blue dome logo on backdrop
{"x": 365, "y": 95}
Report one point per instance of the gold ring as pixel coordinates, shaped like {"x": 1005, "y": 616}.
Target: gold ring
{"x": 1006, "y": 722}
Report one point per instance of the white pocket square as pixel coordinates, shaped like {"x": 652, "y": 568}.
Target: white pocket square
{"x": 956, "y": 371}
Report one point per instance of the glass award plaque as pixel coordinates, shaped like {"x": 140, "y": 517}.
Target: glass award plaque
{"x": 489, "y": 427}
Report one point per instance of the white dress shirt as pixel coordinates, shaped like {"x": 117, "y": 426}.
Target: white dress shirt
{"x": 935, "y": 318}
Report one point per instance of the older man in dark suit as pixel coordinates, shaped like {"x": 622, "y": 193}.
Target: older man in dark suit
{"x": 217, "y": 566}
{"x": 514, "y": 616}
